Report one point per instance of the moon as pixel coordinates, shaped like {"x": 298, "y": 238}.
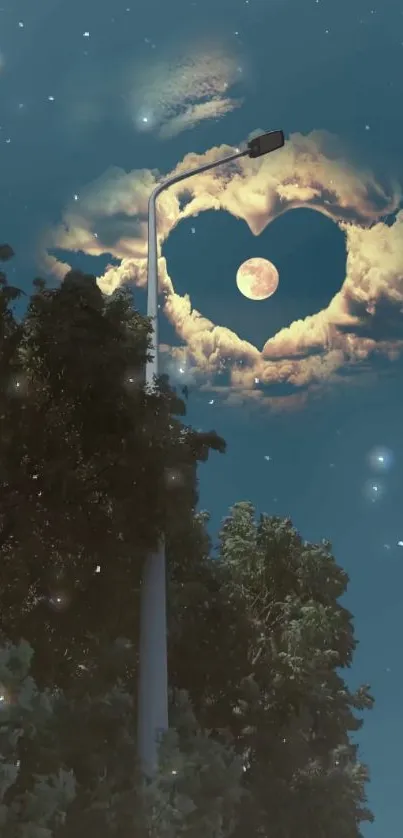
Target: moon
{"x": 257, "y": 278}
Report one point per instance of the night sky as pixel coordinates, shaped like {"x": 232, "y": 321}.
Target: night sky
{"x": 96, "y": 98}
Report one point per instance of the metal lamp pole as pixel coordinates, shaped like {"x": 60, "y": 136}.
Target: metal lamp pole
{"x": 153, "y": 678}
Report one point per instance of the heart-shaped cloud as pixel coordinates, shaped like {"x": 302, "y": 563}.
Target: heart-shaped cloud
{"x": 310, "y": 171}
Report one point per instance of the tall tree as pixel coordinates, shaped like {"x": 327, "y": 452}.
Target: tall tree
{"x": 93, "y": 468}
{"x": 272, "y": 641}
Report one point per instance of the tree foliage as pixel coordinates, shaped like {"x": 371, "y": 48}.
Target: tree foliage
{"x": 32, "y": 804}
{"x": 94, "y": 467}
{"x": 272, "y": 640}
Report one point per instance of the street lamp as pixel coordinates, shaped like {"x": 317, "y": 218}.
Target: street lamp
{"x": 153, "y": 676}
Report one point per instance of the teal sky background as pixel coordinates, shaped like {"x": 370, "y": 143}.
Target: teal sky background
{"x": 305, "y": 65}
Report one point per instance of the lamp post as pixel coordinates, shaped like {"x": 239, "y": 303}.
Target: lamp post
{"x": 153, "y": 676}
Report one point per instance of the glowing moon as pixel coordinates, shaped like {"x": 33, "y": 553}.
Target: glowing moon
{"x": 257, "y": 279}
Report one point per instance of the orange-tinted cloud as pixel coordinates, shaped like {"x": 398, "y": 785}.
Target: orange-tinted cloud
{"x": 308, "y": 353}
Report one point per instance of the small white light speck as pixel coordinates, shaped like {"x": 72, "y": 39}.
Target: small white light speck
{"x": 51, "y": 98}
{"x": 400, "y": 543}
{"x": 367, "y": 127}
{"x": 98, "y": 568}
{"x": 211, "y": 401}
{"x": 76, "y": 197}
{"x": 193, "y": 230}
{"x": 20, "y": 24}
{"x": 86, "y": 34}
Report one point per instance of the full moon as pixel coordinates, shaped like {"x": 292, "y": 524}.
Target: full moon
{"x": 257, "y": 279}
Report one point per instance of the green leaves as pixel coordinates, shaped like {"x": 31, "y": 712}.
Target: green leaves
{"x": 270, "y": 643}
{"x": 94, "y": 467}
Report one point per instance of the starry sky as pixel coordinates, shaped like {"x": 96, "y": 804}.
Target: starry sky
{"x": 100, "y": 98}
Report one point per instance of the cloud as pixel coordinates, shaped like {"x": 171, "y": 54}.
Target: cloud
{"x": 310, "y": 171}
{"x": 175, "y": 96}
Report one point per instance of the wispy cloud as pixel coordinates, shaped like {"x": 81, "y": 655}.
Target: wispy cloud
{"x": 174, "y": 96}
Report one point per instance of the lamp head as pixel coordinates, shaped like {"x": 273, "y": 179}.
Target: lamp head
{"x": 265, "y": 143}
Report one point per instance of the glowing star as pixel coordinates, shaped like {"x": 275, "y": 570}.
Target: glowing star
{"x": 51, "y": 98}
{"x": 86, "y": 34}
{"x": 145, "y": 119}
{"x": 75, "y": 197}
{"x": 381, "y": 459}
{"x": 400, "y": 543}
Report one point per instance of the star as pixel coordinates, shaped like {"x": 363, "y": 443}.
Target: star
{"x": 51, "y": 98}
{"x": 86, "y": 34}
{"x": 20, "y": 24}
